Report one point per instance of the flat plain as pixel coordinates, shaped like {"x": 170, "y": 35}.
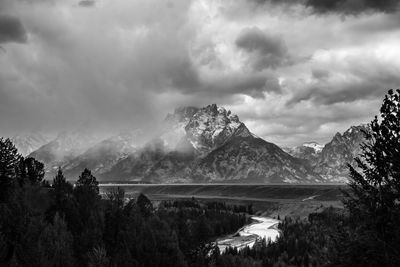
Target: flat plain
{"x": 296, "y": 200}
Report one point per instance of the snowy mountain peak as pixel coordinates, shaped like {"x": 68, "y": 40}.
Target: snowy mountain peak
{"x": 210, "y": 127}
{"x": 204, "y": 128}
{"x": 316, "y": 146}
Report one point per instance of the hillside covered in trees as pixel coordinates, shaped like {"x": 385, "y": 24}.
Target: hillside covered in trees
{"x": 61, "y": 224}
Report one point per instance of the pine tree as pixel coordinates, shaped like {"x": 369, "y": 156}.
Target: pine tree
{"x": 86, "y": 192}
{"x": 3, "y": 250}
{"x": 87, "y": 225}
{"x": 34, "y": 170}
{"x": 9, "y": 162}
{"x": 61, "y": 196}
{"x": 61, "y": 187}
{"x": 55, "y": 245}
{"x": 144, "y": 205}
{"x": 87, "y": 181}
{"x": 374, "y": 199}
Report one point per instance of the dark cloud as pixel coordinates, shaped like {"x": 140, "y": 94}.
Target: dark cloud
{"x": 338, "y": 6}
{"x": 87, "y": 3}
{"x": 251, "y": 84}
{"x": 11, "y": 30}
{"x": 384, "y": 23}
{"x": 358, "y": 83}
{"x": 320, "y": 74}
{"x": 266, "y": 51}
{"x": 183, "y": 75}
{"x": 188, "y": 81}
{"x": 353, "y": 6}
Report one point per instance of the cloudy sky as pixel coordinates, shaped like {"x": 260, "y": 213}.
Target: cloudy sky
{"x": 293, "y": 71}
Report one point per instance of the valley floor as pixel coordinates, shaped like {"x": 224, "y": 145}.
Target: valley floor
{"x": 267, "y": 200}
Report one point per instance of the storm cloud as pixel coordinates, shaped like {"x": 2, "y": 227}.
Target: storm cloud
{"x": 353, "y": 6}
{"x": 11, "y": 30}
{"x": 266, "y": 51}
{"x": 291, "y": 70}
{"x": 87, "y": 3}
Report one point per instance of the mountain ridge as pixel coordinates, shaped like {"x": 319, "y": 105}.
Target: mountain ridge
{"x": 208, "y": 144}
{"x": 211, "y": 134}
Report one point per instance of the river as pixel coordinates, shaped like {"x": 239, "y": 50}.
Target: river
{"x": 261, "y": 227}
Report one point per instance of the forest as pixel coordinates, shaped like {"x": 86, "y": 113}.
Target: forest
{"x": 58, "y": 223}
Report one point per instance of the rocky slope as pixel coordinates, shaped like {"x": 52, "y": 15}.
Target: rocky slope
{"x": 65, "y": 147}
{"x": 247, "y": 158}
{"x": 27, "y": 143}
{"x": 332, "y": 163}
{"x": 102, "y": 156}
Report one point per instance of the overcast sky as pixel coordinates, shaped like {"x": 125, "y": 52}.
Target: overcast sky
{"x": 293, "y": 71}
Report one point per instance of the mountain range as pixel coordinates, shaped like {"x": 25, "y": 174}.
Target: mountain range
{"x": 331, "y": 160}
{"x": 196, "y": 145}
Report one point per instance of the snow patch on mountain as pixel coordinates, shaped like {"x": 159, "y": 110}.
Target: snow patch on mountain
{"x": 314, "y": 145}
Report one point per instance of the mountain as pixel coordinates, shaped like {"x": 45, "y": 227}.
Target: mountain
{"x": 153, "y": 163}
{"x": 102, "y": 156}
{"x": 27, "y": 143}
{"x": 209, "y": 145}
{"x": 334, "y": 157}
{"x": 330, "y": 160}
{"x": 204, "y": 128}
{"x": 210, "y": 127}
{"x": 245, "y": 157}
{"x": 309, "y": 151}
{"x": 65, "y": 147}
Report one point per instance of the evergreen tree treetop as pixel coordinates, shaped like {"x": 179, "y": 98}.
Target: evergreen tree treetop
{"x": 9, "y": 163}
{"x": 9, "y": 158}
{"x": 60, "y": 185}
{"x": 144, "y": 204}
{"x": 59, "y": 179}
{"x": 87, "y": 180}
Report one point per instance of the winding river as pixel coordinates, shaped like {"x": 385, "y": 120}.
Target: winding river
{"x": 261, "y": 227}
